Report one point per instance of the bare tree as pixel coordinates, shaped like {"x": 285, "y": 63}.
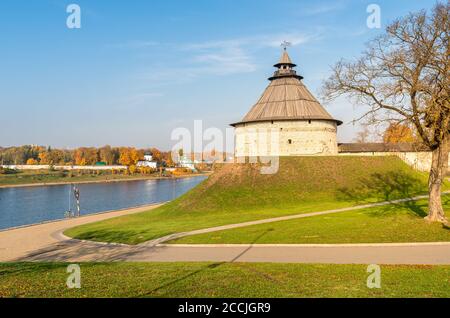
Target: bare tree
{"x": 363, "y": 135}
{"x": 404, "y": 75}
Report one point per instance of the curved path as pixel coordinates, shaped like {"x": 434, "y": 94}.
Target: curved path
{"x": 20, "y": 242}
{"x": 45, "y": 242}
{"x": 276, "y": 219}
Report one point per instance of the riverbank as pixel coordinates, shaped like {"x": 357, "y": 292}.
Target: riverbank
{"x": 21, "y": 241}
{"x": 100, "y": 179}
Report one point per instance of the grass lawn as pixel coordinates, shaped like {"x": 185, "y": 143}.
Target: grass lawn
{"x": 239, "y": 192}
{"x": 221, "y": 280}
{"x": 394, "y": 223}
{"x": 46, "y": 176}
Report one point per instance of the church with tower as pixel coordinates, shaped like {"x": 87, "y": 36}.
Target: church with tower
{"x": 287, "y": 120}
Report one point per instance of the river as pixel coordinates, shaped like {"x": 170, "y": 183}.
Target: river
{"x": 30, "y": 205}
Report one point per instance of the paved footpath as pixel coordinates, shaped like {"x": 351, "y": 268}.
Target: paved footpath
{"x": 45, "y": 242}
{"x": 20, "y": 242}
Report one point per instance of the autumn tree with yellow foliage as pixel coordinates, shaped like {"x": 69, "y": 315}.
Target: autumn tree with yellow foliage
{"x": 397, "y": 133}
{"x": 130, "y": 156}
{"x": 32, "y": 161}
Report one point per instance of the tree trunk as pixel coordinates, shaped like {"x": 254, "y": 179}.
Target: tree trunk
{"x": 439, "y": 166}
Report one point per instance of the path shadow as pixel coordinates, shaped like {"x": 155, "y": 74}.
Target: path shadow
{"x": 251, "y": 245}
{"x": 207, "y": 267}
{"x": 83, "y": 251}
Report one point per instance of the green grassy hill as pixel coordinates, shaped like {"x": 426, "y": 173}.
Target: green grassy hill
{"x": 303, "y": 181}
{"x": 239, "y": 192}
{"x": 395, "y": 223}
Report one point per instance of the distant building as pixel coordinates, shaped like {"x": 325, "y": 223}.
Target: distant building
{"x": 185, "y": 162}
{"x": 147, "y": 162}
{"x": 148, "y": 157}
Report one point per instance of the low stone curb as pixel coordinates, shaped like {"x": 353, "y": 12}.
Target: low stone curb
{"x": 312, "y": 245}
{"x": 276, "y": 219}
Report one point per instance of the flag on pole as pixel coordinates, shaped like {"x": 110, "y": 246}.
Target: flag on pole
{"x": 76, "y": 193}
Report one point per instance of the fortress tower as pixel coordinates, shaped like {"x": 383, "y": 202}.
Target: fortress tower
{"x": 287, "y": 120}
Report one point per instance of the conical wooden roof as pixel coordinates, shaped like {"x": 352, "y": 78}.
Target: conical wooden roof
{"x": 286, "y": 98}
{"x": 285, "y": 60}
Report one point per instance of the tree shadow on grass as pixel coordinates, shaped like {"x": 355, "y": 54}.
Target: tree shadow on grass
{"x": 111, "y": 235}
{"x": 208, "y": 267}
{"x": 7, "y": 269}
{"x": 37, "y": 267}
{"x": 412, "y": 208}
{"x": 385, "y": 187}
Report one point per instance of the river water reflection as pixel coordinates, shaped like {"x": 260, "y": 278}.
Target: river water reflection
{"x": 30, "y": 205}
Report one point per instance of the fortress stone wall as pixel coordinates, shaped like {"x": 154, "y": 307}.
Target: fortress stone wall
{"x": 286, "y": 138}
{"x": 417, "y": 160}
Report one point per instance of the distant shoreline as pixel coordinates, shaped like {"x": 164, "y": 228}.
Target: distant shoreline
{"x": 40, "y": 184}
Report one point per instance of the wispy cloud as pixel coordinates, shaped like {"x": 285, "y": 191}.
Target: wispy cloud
{"x": 322, "y": 8}
{"x": 222, "y": 57}
{"x": 256, "y": 42}
{"x": 235, "y": 55}
{"x": 293, "y": 38}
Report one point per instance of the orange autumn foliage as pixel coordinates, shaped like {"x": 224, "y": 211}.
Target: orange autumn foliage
{"x": 397, "y": 133}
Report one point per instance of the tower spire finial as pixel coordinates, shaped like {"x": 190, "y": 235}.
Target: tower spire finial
{"x": 285, "y": 44}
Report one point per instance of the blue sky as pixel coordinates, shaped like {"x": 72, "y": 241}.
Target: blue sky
{"x": 138, "y": 69}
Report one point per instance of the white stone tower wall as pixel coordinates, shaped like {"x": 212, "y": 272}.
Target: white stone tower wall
{"x": 286, "y": 138}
